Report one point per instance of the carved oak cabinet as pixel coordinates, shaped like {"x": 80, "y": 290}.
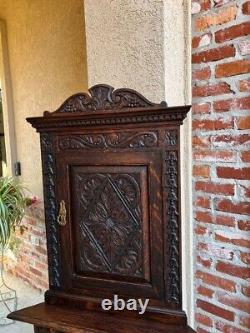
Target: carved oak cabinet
{"x": 111, "y": 177}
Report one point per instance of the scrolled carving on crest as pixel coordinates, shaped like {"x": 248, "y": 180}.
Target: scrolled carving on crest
{"x": 48, "y": 163}
{"x": 171, "y": 188}
{"x": 108, "y": 140}
{"x": 104, "y": 97}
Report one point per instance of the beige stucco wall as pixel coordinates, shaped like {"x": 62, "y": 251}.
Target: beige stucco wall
{"x": 47, "y": 63}
{"x": 125, "y": 42}
{"x": 145, "y": 45}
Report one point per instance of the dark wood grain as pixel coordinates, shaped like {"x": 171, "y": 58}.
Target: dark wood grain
{"x": 113, "y": 158}
{"x": 64, "y": 319}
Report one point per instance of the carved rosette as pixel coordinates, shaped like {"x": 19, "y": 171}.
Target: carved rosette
{"x": 104, "y": 97}
{"x": 108, "y": 140}
{"x": 48, "y": 164}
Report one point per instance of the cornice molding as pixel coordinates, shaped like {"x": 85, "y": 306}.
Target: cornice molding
{"x": 104, "y": 106}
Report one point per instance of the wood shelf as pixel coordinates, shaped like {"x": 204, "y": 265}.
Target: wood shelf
{"x": 64, "y": 319}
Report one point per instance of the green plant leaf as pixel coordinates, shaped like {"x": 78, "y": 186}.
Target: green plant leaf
{"x": 12, "y": 207}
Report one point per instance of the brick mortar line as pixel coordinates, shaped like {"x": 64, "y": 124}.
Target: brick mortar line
{"x": 221, "y": 116}
{"x": 231, "y": 323}
{"x": 216, "y": 98}
{"x": 228, "y": 307}
{"x": 208, "y": 195}
{"x": 213, "y": 148}
{"x": 213, "y": 63}
{"x": 218, "y": 133}
{"x": 221, "y": 227}
{"x": 229, "y": 131}
{"x": 213, "y": 116}
{"x": 221, "y": 195}
{"x": 205, "y": 179}
{"x": 213, "y": 45}
{"x": 220, "y": 163}
{"x": 228, "y": 233}
{"x": 224, "y": 228}
{"x": 223, "y": 181}
{"x": 216, "y": 149}
{"x": 219, "y": 181}
{"x": 224, "y": 245}
{"x": 230, "y": 80}
{"x": 232, "y": 278}
{"x": 240, "y": 17}
{"x": 223, "y": 144}
{"x": 234, "y": 214}
{"x": 213, "y": 288}
{"x": 212, "y": 66}
{"x": 223, "y": 6}
{"x": 218, "y": 27}
{"x": 216, "y": 45}
{"x": 224, "y": 119}
{"x": 218, "y": 9}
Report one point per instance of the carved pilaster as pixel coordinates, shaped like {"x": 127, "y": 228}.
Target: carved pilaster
{"x": 48, "y": 163}
{"x": 173, "y": 280}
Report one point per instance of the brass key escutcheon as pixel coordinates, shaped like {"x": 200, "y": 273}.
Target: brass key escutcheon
{"x": 61, "y": 218}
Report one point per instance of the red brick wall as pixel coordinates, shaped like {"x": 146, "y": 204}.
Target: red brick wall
{"x": 31, "y": 255}
{"x": 221, "y": 163}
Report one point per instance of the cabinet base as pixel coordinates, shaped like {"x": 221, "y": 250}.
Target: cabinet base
{"x": 159, "y": 314}
{"x": 60, "y": 319}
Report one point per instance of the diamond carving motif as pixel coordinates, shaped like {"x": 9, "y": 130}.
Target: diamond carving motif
{"x": 110, "y": 228}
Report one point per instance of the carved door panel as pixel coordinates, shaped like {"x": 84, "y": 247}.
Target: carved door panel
{"x": 113, "y": 224}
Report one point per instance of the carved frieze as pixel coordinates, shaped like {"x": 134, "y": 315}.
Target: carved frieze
{"x": 108, "y": 140}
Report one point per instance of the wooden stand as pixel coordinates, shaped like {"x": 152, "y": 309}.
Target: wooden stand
{"x": 111, "y": 172}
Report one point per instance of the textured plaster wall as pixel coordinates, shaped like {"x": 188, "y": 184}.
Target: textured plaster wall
{"x": 176, "y": 51}
{"x": 145, "y": 45}
{"x": 125, "y": 42}
{"x": 47, "y": 63}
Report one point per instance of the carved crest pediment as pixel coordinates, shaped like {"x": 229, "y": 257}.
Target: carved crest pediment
{"x": 104, "y": 97}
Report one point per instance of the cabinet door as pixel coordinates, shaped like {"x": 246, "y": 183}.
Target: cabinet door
{"x": 112, "y": 241}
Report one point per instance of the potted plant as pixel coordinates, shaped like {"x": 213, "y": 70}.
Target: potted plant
{"x": 12, "y": 209}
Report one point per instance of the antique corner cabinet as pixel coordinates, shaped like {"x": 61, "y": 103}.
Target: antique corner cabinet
{"x": 111, "y": 177}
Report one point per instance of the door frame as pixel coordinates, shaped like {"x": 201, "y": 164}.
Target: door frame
{"x": 7, "y": 101}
